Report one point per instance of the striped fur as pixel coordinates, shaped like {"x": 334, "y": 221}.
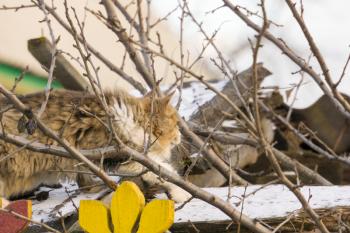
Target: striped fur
{"x": 81, "y": 120}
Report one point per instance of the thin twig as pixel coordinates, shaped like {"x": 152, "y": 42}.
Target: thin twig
{"x": 317, "y": 53}
{"x": 48, "y": 132}
{"x": 54, "y": 41}
{"x": 267, "y": 147}
{"x": 95, "y": 52}
{"x": 19, "y": 78}
{"x": 17, "y": 8}
{"x": 288, "y": 52}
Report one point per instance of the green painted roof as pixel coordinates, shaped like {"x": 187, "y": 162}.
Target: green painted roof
{"x": 30, "y": 83}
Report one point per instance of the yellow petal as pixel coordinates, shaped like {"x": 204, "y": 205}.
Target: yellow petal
{"x": 94, "y": 217}
{"x": 157, "y": 217}
{"x": 126, "y": 206}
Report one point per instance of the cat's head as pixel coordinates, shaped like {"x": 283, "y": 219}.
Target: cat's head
{"x": 164, "y": 120}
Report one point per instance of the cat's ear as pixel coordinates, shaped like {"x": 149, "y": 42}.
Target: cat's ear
{"x": 149, "y": 94}
{"x": 166, "y": 99}
{"x": 163, "y": 101}
{"x": 147, "y": 97}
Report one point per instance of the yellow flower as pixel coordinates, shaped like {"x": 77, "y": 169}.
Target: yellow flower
{"x": 127, "y": 211}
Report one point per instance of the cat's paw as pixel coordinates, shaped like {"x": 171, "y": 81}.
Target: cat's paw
{"x": 179, "y": 195}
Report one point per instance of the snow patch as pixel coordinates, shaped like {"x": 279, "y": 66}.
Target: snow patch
{"x": 271, "y": 201}
{"x": 62, "y": 202}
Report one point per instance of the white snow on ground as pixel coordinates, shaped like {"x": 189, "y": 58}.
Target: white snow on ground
{"x": 59, "y": 203}
{"x": 272, "y": 201}
{"x": 62, "y": 201}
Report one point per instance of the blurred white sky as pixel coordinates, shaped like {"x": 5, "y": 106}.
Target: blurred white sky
{"x": 328, "y": 21}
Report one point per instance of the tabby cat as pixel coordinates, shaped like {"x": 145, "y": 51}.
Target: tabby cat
{"x": 82, "y": 121}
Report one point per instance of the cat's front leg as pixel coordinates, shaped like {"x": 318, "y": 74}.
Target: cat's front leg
{"x": 175, "y": 192}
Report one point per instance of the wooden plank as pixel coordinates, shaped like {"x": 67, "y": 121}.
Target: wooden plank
{"x": 333, "y": 218}
{"x": 9, "y": 223}
{"x": 68, "y": 76}
{"x": 272, "y": 205}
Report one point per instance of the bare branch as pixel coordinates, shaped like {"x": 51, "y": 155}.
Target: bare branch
{"x": 95, "y": 52}
{"x": 54, "y": 41}
{"x": 318, "y": 56}
{"x": 117, "y": 28}
{"x": 64, "y": 143}
{"x": 17, "y": 8}
{"x": 281, "y": 45}
{"x": 267, "y": 147}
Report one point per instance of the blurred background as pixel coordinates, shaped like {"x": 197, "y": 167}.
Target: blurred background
{"x": 327, "y": 21}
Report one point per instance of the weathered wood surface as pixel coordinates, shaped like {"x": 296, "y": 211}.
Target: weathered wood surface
{"x": 69, "y": 77}
{"x": 9, "y": 223}
{"x": 335, "y": 219}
